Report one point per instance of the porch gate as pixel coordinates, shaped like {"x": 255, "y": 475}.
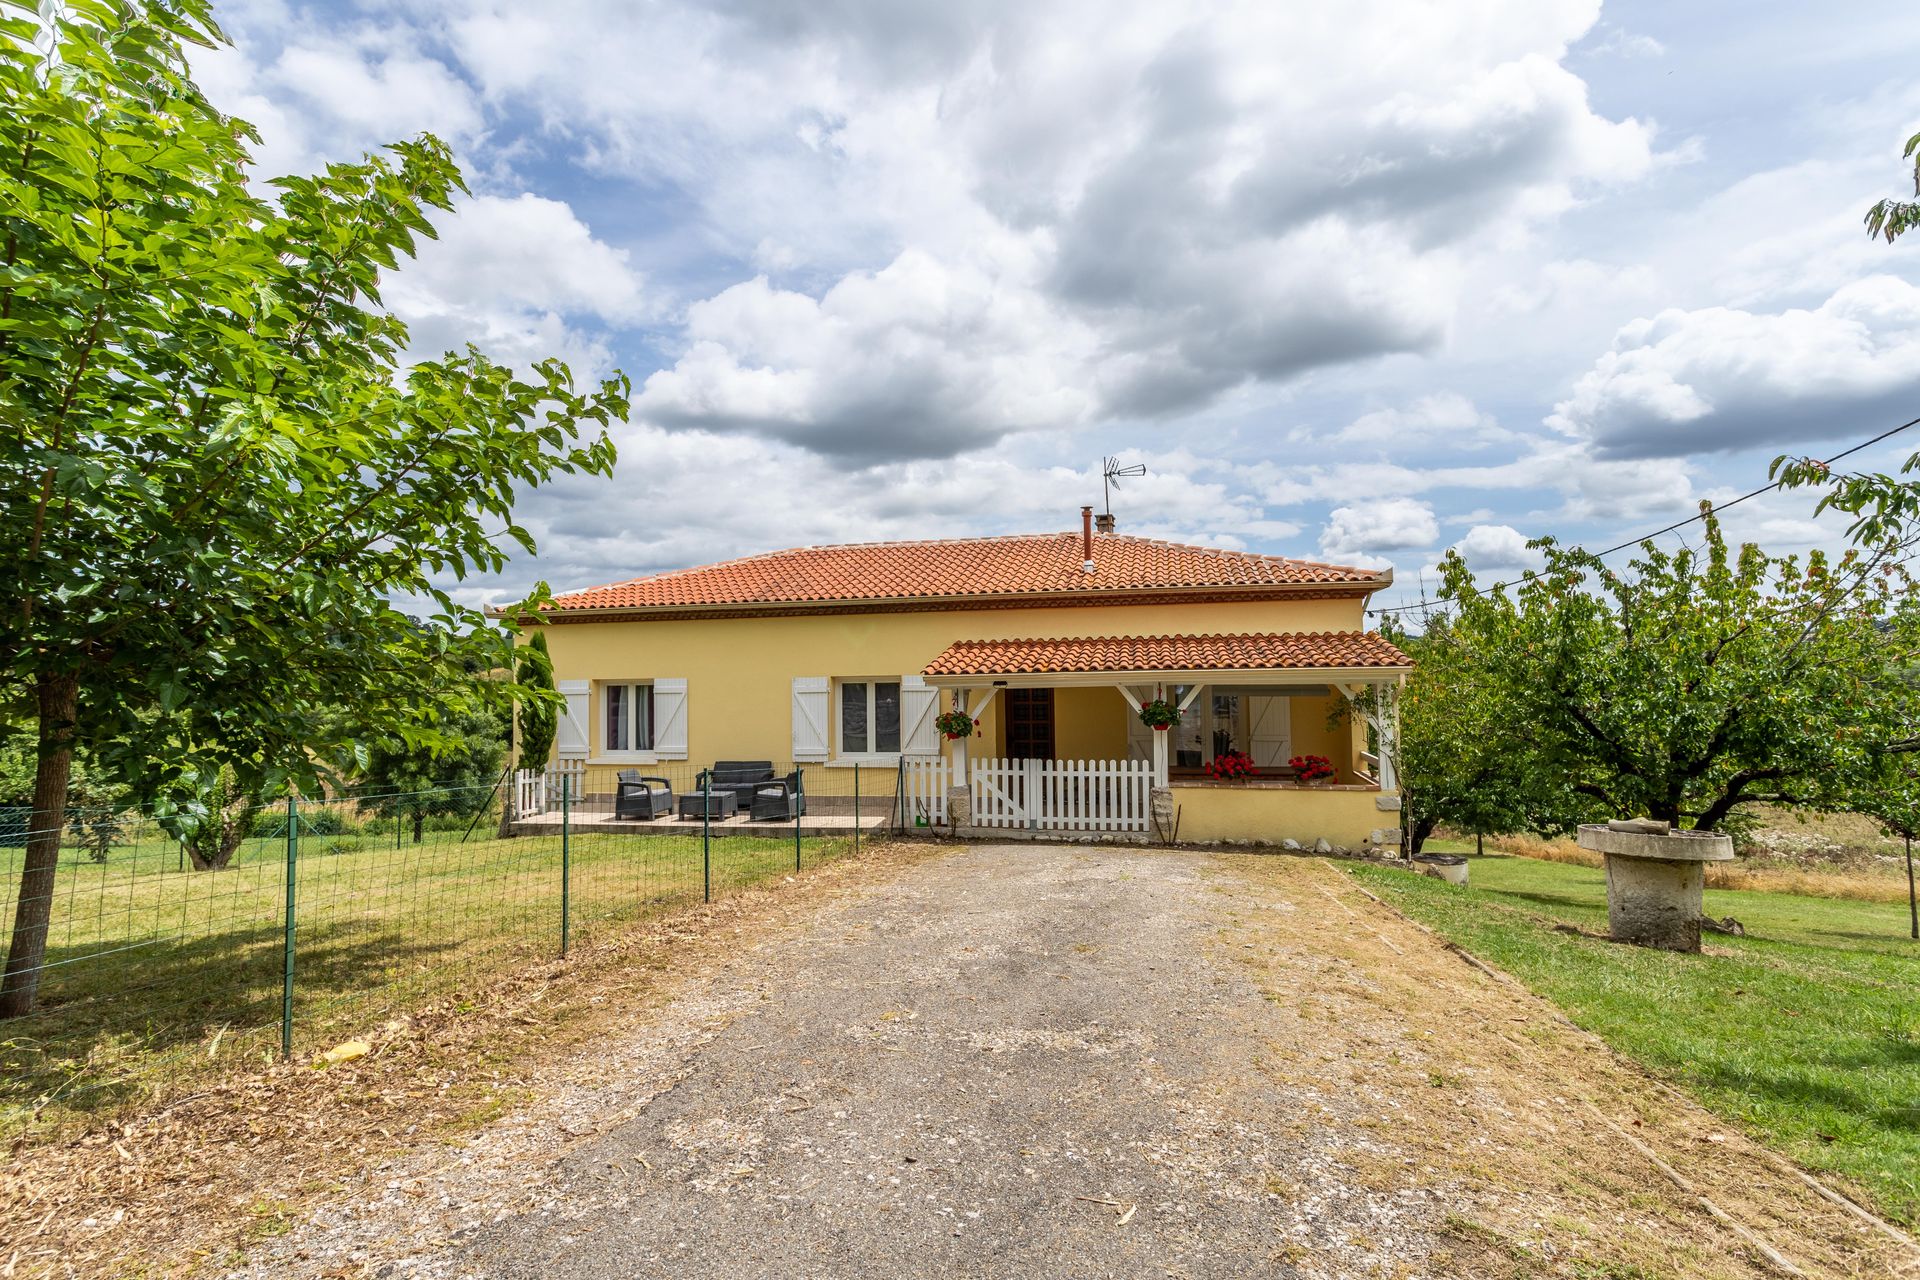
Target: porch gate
{"x": 529, "y": 792}
{"x": 1063, "y": 795}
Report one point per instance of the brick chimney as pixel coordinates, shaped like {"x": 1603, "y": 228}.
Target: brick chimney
{"x": 1103, "y": 523}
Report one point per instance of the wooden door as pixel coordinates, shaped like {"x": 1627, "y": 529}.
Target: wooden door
{"x": 1029, "y": 724}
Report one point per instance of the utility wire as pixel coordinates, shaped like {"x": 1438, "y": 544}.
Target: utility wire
{"x": 1678, "y": 524}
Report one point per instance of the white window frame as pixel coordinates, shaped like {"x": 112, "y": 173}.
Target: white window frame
{"x": 600, "y": 699}
{"x": 844, "y": 759}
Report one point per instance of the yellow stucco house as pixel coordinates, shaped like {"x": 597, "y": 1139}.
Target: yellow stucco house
{"x": 827, "y": 657}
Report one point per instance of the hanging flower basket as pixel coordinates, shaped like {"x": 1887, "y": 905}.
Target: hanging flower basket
{"x": 1312, "y": 768}
{"x": 1231, "y": 766}
{"x": 1159, "y": 714}
{"x": 955, "y": 724}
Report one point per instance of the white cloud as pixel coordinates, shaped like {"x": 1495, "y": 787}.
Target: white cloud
{"x": 528, "y": 252}
{"x": 1005, "y": 227}
{"x": 1363, "y": 533}
{"x": 1720, "y": 378}
{"x": 1622, "y": 43}
{"x": 516, "y": 277}
{"x": 1497, "y": 546}
{"x": 1446, "y": 419}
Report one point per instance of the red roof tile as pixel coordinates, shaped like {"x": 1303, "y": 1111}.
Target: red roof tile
{"x": 1325, "y": 649}
{"x": 1018, "y": 565}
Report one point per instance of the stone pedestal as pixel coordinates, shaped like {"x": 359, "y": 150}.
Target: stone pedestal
{"x": 1160, "y": 805}
{"x": 1655, "y": 882}
{"x": 960, "y": 806}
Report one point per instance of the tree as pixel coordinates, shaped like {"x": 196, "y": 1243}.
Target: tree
{"x": 217, "y": 472}
{"x": 1894, "y": 799}
{"x": 538, "y": 720}
{"x": 457, "y": 775}
{"x": 1697, "y": 682}
{"x": 211, "y": 825}
{"x": 1891, "y": 219}
{"x": 1462, "y": 761}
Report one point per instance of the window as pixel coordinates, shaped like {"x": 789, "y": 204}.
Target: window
{"x": 869, "y": 717}
{"x": 627, "y": 716}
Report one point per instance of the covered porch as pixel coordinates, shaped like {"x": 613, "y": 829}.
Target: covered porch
{"x": 1061, "y": 745}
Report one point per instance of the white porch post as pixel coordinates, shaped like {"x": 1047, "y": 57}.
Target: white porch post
{"x": 1159, "y": 735}
{"x": 959, "y": 794}
{"x": 1386, "y": 727}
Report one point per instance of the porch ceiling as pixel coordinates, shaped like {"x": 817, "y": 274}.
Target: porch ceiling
{"x": 1274, "y": 657}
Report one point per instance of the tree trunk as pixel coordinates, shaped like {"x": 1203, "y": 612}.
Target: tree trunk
{"x": 227, "y": 835}
{"x": 419, "y": 823}
{"x": 59, "y": 698}
{"x": 1417, "y": 834}
{"x": 1913, "y": 903}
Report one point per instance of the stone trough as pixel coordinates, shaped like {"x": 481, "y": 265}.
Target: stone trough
{"x": 1655, "y": 880}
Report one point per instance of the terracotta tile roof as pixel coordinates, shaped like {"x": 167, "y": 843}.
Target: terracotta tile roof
{"x": 1277, "y": 651}
{"x": 1018, "y": 565}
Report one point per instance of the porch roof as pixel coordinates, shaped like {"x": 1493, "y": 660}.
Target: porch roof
{"x": 1119, "y": 658}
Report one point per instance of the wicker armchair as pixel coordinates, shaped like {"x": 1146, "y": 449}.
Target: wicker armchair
{"x": 780, "y": 800}
{"x": 642, "y": 799}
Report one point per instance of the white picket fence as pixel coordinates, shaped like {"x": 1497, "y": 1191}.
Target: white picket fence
{"x": 538, "y": 790}
{"x": 923, "y": 790}
{"x": 1063, "y": 795}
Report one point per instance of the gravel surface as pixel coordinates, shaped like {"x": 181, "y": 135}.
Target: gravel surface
{"x": 1020, "y": 1061}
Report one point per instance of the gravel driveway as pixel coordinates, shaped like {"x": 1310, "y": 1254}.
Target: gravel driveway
{"x": 1032, "y": 1061}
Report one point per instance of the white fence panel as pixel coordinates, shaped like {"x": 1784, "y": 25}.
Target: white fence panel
{"x": 529, "y": 792}
{"x": 923, "y": 790}
{"x": 1063, "y": 795}
{"x": 574, "y": 771}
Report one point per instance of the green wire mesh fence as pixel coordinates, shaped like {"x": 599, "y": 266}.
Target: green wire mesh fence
{"x": 331, "y": 915}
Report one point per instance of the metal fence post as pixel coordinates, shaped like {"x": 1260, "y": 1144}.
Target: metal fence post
{"x": 799, "y": 807}
{"x": 566, "y": 858}
{"x": 856, "y": 808}
{"x": 706, "y": 836}
{"x": 286, "y": 963}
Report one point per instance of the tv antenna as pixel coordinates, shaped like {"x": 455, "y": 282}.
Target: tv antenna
{"x": 1111, "y": 473}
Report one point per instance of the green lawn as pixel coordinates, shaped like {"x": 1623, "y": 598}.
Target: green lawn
{"x": 1807, "y": 1030}
{"x": 156, "y": 975}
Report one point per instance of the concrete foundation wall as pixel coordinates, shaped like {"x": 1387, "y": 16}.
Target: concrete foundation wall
{"x": 1271, "y": 813}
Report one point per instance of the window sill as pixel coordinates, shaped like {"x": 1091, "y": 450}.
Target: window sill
{"x": 626, "y": 757}
{"x": 888, "y": 759}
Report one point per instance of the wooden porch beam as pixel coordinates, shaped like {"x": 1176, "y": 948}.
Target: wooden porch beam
{"x": 980, "y": 706}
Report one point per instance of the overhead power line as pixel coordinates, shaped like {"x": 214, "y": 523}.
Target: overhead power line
{"x": 1678, "y": 524}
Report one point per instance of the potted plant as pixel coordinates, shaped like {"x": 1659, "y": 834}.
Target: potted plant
{"x": 1159, "y": 714}
{"x": 1312, "y": 769}
{"x": 955, "y": 724}
{"x": 1231, "y": 766}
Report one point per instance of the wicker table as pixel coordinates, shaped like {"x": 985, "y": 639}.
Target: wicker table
{"x": 716, "y": 804}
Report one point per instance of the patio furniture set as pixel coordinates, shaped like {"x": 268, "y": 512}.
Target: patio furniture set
{"x": 723, "y": 791}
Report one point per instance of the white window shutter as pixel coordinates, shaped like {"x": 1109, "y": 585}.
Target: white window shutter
{"x": 1270, "y": 726}
{"x": 919, "y": 704}
{"x": 670, "y": 717}
{"x": 810, "y": 717}
{"x": 570, "y": 733}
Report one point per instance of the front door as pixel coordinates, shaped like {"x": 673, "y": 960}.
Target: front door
{"x": 1029, "y": 724}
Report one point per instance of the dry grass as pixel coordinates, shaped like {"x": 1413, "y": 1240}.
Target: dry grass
{"x": 1487, "y": 1091}
{"x": 1758, "y": 875}
{"x": 178, "y": 1189}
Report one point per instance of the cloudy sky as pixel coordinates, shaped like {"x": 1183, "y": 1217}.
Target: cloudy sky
{"x": 1357, "y": 281}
